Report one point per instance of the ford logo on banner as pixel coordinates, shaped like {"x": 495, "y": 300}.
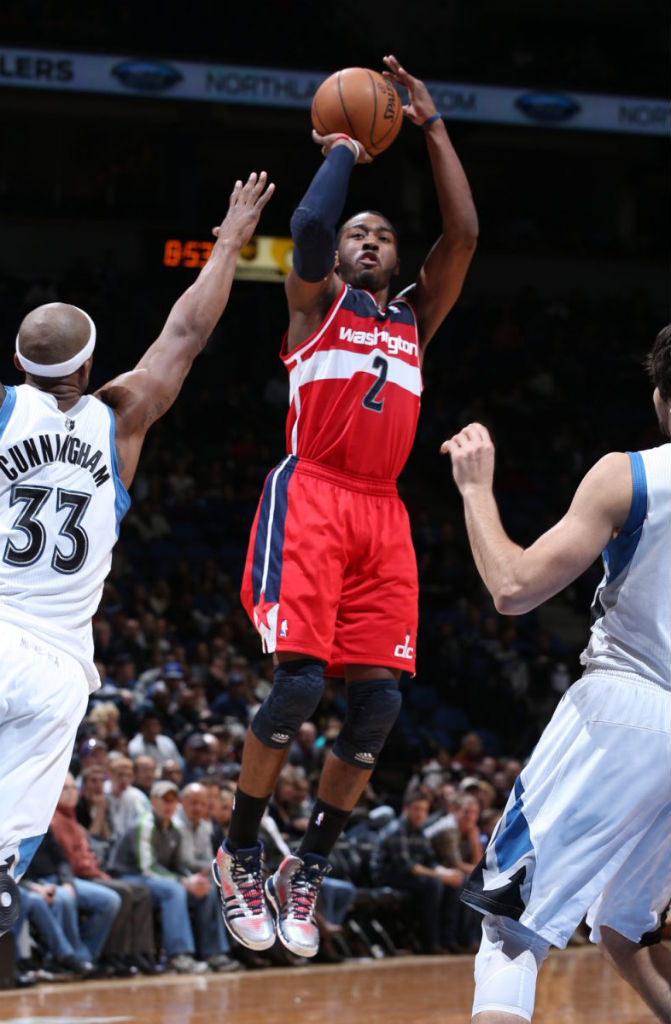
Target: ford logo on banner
{"x": 547, "y": 106}
{"x": 146, "y": 76}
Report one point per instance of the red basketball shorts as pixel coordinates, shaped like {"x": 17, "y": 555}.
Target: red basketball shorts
{"x": 331, "y": 570}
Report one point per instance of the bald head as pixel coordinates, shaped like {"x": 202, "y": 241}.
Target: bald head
{"x": 53, "y": 334}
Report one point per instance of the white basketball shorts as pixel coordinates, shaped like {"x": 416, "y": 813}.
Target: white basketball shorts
{"x": 43, "y": 696}
{"x": 587, "y": 828}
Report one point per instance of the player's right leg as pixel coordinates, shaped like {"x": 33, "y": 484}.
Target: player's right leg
{"x": 43, "y": 696}
{"x": 291, "y": 585}
{"x": 296, "y": 692}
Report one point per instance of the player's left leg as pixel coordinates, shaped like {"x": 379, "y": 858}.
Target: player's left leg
{"x": 43, "y": 695}
{"x": 647, "y": 968}
{"x": 373, "y": 703}
{"x": 506, "y": 969}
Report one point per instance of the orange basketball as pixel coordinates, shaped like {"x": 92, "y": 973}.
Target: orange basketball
{"x": 361, "y": 103}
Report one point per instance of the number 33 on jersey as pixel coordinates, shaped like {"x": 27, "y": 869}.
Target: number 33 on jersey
{"x": 61, "y": 502}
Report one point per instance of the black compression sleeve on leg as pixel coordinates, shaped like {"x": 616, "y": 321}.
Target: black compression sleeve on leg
{"x": 243, "y": 831}
{"x": 325, "y": 825}
{"x": 314, "y": 221}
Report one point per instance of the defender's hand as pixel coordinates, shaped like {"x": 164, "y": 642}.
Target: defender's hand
{"x": 244, "y": 209}
{"x": 420, "y": 106}
{"x": 472, "y": 454}
{"x": 328, "y": 141}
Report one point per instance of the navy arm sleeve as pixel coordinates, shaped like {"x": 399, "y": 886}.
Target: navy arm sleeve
{"x": 314, "y": 220}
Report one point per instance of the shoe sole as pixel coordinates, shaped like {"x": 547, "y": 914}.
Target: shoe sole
{"x": 10, "y": 904}
{"x": 256, "y": 947}
{"x": 287, "y": 943}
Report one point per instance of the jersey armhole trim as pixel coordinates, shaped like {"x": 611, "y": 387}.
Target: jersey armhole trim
{"x": 620, "y": 551}
{"x": 7, "y": 407}
{"x": 298, "y": 352}
{"x": 122, "y": 497}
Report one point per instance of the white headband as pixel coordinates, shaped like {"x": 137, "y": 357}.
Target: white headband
{"x": 66, "y": 367}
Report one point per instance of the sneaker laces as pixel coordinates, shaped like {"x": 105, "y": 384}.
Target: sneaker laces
{"x": 246, "y": 872}
{"x": 304, "y": 889}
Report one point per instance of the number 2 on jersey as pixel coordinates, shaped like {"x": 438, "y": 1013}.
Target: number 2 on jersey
{"x": 27, "y": 521}
{"x": 370, "y": 399}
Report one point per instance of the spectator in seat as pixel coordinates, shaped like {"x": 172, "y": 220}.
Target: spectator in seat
{"x": 125, "y": 802}
{"x": 149, "y": 852}
{"x": 193, "y": 821}
{"x": 406, "y": 860}
{"x": 145, "y": 771}
{"x": 150, "y": 740}
{"x": 130, "y": 943}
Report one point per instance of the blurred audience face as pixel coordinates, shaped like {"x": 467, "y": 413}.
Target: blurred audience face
{"x": 225, "y": 808}
{"x": 172, "y": 771}
{"x": 468, "y": 813}
{"x": 417, "y": 811}
{"x": 93, "y": 781}
{"x": 195, "y": 801}
{"x": 144, "y": 772}
{"x": 121, "y": 775}
{"x": 69, "y": 794}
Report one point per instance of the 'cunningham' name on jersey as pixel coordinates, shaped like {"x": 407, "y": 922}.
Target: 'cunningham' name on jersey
{"x": 394, "y": 342}
{"x": 45, "y": 448}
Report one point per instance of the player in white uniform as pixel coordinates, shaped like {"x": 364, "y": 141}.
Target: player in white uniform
{"x": 587, "y": 828}
{"x": 66, "y": 462}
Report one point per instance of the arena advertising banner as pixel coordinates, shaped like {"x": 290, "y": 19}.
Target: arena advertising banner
{"x": 221, "y": 83}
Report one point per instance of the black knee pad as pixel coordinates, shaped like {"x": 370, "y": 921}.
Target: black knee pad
{"x": 297, "y": 690}
{"x": 372, "y": 708}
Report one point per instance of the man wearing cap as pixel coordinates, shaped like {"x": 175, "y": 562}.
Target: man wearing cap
{"x": 150, "y": 852}
{"x": 67, "y": 460}
{"x": 150, "y": 740}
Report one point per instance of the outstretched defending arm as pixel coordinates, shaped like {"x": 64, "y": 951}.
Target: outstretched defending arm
{"x": 442, "y": 275}
{"x": 141, "y": 396}
{"x": 520, "y": 579}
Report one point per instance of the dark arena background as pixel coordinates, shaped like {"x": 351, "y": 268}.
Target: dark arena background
{"x": 111, "y": 177}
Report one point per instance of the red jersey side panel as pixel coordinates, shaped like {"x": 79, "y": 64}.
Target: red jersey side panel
{"x": 355, "y": 388}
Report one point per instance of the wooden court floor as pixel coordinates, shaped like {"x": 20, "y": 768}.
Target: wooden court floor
{"x": 576, "y": 987}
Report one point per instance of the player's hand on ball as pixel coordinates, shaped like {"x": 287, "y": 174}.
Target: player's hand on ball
{"x": 328, "y": 141}
{"x": 420, "y": 106}
{"x": 472, "y": 454}
{"x": 244, "y": 209}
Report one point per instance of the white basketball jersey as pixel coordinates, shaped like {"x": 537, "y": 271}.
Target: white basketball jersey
{"x": 61, "y": 502}
{"x": 631, "y": 612}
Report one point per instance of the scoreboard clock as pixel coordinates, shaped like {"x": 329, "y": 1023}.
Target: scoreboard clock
{"x": 264, "y": 258}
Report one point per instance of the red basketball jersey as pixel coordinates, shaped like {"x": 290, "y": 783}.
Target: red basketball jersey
{"x": 355, "y": 387}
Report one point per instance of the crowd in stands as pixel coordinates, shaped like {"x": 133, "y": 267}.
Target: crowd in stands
{"x": 157, "y": 756}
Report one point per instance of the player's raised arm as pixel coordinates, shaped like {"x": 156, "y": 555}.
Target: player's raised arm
{"x": 442, "y": 275}
{"x": 310, "y": 285}
{"x": 520, "y": 579}
{"x": 145, "y": 393}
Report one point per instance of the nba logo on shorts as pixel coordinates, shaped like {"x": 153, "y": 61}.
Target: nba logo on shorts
{"x": 284, "y": 628}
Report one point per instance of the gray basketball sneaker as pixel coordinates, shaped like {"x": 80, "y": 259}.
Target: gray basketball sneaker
{"x": 292, "y": 892}
{"x": 245, "y": 912}
{"x": 10, "y": 903}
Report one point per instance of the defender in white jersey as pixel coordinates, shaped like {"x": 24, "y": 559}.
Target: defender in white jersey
{"x": 67, "y": 460}
{"x": 587, "y": 828}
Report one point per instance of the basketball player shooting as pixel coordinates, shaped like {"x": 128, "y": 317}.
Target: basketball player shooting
{"x": 587, "y": 827}
{"x": 331, "y": 577}
{"x": 67, "y": 460}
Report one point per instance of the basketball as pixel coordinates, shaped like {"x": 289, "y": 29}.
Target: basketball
{"x": 361, "y": 103}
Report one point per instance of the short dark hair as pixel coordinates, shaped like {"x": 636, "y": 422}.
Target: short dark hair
{"x": 658, "y": 362}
